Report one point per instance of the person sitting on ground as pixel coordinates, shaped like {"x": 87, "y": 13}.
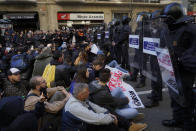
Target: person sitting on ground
{"x": 13, "y": 85}
{"x": 81, "y": 114}
{"x": 42, "y": 60}
{"x": 82, "y": 76}
{"x": 57, "y": 97}
{"x": 38, "y": 89}
{"x": 81, "y": 59}
{"x": 94, "y": 70}
{"x": 114, "y": 101}
{"x": 14, "y": 118}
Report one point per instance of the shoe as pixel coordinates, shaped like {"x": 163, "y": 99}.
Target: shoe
{"x": 140, "y": 85}
{"x": 139, "y": 117}
{"x": 149, "y": 96}
{"x": 151, "y": 104}
{"x": 172, "y": 123}
{"x": 138, "y": 127}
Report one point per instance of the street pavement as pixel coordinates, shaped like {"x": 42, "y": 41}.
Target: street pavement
{"x": 154, "y": 116}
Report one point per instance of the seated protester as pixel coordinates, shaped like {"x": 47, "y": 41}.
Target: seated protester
{"x": 91, "y": 56}
{"x": 81, "y": 114}
{"x": 41, "y": 61}
{"x": 38, "y": 89}
{"x": 81, "y": 59}
{"x": 101, "y": 95}
{"x": 107, "y": 53}
{"x": 62, "y": 72}
{"x": 82, "y": 76}
{"x": 13, "y": 85}
{"x": 57, "y": 97}
{"x": 97, "y": 65}
{"x": 18, "y": 120}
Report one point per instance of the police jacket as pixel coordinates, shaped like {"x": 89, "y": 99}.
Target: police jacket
{"x": 182, "y": 41}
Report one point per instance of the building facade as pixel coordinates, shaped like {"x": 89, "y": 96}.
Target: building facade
{"x": 54, "y": 14}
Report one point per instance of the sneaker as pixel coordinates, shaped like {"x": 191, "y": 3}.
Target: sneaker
{"x": 139, "y": 117}
{"x": 137, "y": 127}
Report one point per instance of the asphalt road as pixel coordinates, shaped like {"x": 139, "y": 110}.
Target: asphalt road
{"x": 154, "y": 116}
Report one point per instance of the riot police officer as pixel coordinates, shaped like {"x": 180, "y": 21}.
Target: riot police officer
{"x": 115, "y": 43}
{"x": 124, "y": 43}
{"x": 182, "y": 34}
{"x": 156, "y": 85}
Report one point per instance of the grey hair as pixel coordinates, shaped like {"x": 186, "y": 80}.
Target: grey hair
{"x": 79, "y": 87}
{"x": 34, "y": 82}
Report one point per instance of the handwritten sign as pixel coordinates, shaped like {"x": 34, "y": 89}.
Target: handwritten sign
{"x": 166, "y": 68}
{"x": 117, "y": 81}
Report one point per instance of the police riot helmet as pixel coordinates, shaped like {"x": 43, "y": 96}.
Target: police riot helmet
{"x": 143, "y": 16}
{"x": 116, "y": 22}
{"x": 173, "y": 11}
{"x": 125, "y": 20}
{"x": 155, "y": 14}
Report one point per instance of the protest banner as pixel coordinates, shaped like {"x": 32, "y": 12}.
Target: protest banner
{"x": 117, "y": 81}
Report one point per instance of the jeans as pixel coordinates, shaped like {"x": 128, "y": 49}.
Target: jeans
{"x": 126, "y": 111}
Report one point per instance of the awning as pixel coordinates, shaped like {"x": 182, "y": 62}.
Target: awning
{"x": 19, "y": 16}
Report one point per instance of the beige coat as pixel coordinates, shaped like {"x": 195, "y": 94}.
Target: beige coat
{"x": 53, "y": 107}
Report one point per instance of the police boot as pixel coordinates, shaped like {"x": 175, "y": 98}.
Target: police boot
{"x": 172, "y": 123}
{"x": 149, "y": 96}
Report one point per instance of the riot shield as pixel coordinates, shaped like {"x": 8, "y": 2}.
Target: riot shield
{"x": 135, "y": 40}
{"x": 169, "y": 67}
{"x": 151, "y": 40}
{"x": 139, "y": 59}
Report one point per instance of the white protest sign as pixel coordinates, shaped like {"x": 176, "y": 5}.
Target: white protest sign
{"x": 116, "y": 81}
{"x": 94, "y": 49}
{"x": 107, "y": 34}
{"x": 134, "y": 41}
{"x": 166, "y": 68}
{"x": 149, "y": 45}
{"x": 99, "y": 36}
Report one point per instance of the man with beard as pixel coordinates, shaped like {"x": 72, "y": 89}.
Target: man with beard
{"x": 55, "y": 100}
{"x": 39, "y": 91}
{"x": 13, "y": 86}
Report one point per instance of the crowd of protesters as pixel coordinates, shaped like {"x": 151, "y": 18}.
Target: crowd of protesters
{"x": 78, "y": 97}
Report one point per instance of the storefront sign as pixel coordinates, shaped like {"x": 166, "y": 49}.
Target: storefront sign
{"x": 134, "y": 41}
{"x": 80, "y": 16}
{"x": 149, "y": 45}
{"x": 19, "y": 16}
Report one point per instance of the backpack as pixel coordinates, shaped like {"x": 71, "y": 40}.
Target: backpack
{"x": 18, "y": 61}
{"x": 49, "y": 74}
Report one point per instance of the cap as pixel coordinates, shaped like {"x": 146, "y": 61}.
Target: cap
{"x": 13, "y": 71}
